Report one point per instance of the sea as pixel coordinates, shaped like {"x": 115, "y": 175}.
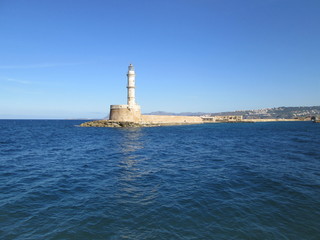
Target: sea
{"x": 208, "y": 181}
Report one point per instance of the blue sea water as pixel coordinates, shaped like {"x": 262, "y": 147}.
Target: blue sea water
{"x": 211, "y": 181}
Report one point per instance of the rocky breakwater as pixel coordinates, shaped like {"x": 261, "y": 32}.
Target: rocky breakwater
{"x": 118, "y": 124}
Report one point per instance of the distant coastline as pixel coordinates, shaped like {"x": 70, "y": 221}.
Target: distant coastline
{"x": 160, "y": 118}
{"x": 265, "y": 113}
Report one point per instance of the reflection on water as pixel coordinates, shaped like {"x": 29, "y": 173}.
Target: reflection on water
{"x": 131, "y": 143}
{"x": 132, "y": 140}
{"x": 133, "y": 187}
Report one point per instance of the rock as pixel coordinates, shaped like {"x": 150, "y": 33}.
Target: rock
{"x": 118, "y": 124}
{"x": 110, "y": 123}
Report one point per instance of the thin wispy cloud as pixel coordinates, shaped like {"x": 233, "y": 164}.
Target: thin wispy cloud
{"x": 19, "y": 90}
{"x": 17, "y": 81}
{"x": 18, "y": 86}
{"x": 43, "y": 65}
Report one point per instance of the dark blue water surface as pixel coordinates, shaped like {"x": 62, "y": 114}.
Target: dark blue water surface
{"x": 211, "y": 181}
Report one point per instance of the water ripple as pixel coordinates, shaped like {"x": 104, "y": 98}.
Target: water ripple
{"x": 214, "y": 181}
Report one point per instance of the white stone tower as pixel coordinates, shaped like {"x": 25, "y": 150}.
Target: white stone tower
{"x": 130, "y": 112}
{"x": 131, "y": 87}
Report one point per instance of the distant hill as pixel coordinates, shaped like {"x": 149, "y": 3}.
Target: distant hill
{"x": 278, "y": 112}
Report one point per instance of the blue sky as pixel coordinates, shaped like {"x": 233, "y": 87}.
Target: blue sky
{"x": 68, "y": 59}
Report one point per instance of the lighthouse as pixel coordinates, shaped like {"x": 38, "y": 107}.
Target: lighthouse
{"x": 131, "y": 75}
{"x": 131, "y": 111}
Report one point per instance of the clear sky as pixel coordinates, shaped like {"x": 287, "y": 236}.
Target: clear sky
{"x": 69, "y": 58}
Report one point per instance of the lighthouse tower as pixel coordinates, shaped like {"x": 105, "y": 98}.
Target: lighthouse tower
{"x": 131, "y": 86}
{"x": 130, "y": 112}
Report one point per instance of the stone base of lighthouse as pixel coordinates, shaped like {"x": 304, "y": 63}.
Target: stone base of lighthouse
{"x": 125, "y": 113}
